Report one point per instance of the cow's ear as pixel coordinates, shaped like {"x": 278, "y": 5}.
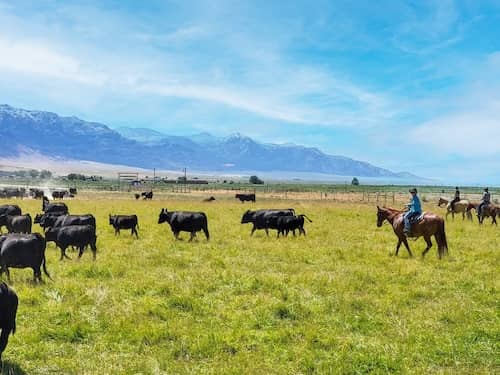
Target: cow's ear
{"x": 162, "y": 210}
{"x": 378, "y": 208}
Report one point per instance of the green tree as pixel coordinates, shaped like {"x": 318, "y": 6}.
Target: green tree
{"x": 44, "y": 173}
{"x": 34, "y": 173}
{"x": 255, "y": 180}
{"x": 355, "y": 181}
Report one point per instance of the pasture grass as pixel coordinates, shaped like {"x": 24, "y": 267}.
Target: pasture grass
{"x": 335, "y": 301}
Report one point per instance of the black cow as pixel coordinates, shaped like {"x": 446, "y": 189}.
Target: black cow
{"x": 8, "y": 311}
{"x": 36, "y": 193}
{"x": 16, "y": 223}
{"x": 137, "y": 196}
{"x": 23, "y": 251}
{"x": 286, "y": 224}
{"x": 185, "y": 221}
{"x": 9, "y": 209}
{"x": 74, "y": 235}
{"x": 13, "y": 192}
{"x": 73, "y": 191}
{"x": 210, "y": 199}
{"x": 47, "y": 220}
{"x": 147, "y": 195}
{"x": 67, "y": 220}
{"x": 124, "y": 222}
{"x": 59, "y": 194}
{"x": 48, "y": 207}
{"x": 263, "y": 219}
{"x": 245, "y": 197}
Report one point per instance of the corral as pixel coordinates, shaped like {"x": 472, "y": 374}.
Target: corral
{"x": 335, "y": 301}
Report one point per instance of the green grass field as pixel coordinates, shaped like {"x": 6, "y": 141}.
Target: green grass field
{"x": 333, "y": 302}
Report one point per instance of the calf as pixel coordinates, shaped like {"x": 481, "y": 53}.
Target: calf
{"x": 185, "y": 221}
{"x": 17, "y": 223}
{"x": 23, "y": 251}
{"x": 264, "y": 219}
{"x": 209, "y": 199}
{"x": 124, "y": 222}
{"x": 74, "y": 235}
{"x": 8, "y": 310}
{"x": 285, "y": 224}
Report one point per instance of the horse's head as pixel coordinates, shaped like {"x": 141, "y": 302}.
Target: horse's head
{"x": 381, "y": 216}
{"x": 442, "y": 201}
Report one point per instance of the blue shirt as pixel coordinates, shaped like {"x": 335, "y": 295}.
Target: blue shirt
{"x": 414, "y": 205}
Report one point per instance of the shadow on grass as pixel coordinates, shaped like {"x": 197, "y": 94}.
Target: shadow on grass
{"x": 11, "y": 368}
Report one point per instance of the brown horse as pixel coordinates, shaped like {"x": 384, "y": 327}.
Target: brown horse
{"x": 489, "y": 210}
{"x": 459, "y": 207}
{"x": 430, "y": 225}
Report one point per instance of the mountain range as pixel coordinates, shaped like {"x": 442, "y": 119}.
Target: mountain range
{"x": 72, "y": 138}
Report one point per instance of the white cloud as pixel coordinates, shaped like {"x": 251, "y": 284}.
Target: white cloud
{"x": 30, "y": 57}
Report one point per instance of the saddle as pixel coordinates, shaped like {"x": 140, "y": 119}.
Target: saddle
{"x": 417, "y": 219}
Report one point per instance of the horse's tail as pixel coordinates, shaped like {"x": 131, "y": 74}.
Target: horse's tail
{"x": 441, "y": 240}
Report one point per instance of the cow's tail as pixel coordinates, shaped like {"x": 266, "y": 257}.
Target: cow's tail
{"x": 45, "y": 267}
{"x": 441, "y": 240}
{"x": 306, "y": 217}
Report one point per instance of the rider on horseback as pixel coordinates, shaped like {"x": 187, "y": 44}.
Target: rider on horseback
{"x": 455, "y": 200}
{"x": 414, "y": 210}
{"x": 484, "y": 202}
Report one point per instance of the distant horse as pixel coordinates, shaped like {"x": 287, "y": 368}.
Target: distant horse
{"x": 459, "y": 207}
{"x": 430, "y": 225}
{"x": 489, "y": 210}
{"x": 471, "y": 206}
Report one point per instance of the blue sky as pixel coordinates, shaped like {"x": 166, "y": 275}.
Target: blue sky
{"x": 406, "y": 85}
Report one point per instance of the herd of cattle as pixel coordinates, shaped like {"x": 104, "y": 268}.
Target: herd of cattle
{"x": 20, "y": 248}
{"x": 36, "y": 193}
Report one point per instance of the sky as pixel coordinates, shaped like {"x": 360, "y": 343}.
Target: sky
{"x": 405, "y": 85}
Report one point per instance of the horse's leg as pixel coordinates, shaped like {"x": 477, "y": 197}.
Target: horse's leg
{"x": 429, "y": 245}
{"x": 405, "y": 242}
{"x": 398, "y": 246}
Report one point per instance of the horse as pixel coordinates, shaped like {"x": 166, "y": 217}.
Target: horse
{"x": 489, "y": 210}
{"x": 430, "y": 225}
{"x": 459, "y": 207}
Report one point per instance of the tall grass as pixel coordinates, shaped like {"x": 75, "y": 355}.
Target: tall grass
{"x": 335, "y": 301}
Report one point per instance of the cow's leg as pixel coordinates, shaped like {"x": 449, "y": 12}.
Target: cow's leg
{"x": 4, "y": 340}
{"x": 253, "y": 230}
{"x": 117, "y": 231}
{"x": 176, "y": 235}
{"x": 267, "y": 231}
{"x": 207, "y": 235}
{"x": 7, "y": 272}
{"x": 134, "y": 231}
{"x": 94, "y": 250}
{"x": 429, "y": 245}
{"x": 193, "y": 235}
{"x": 293, "y": 231}
{"x": 303, "y": 230}
{"x": 37, "y": 274}
{"x": 80, "y": 252}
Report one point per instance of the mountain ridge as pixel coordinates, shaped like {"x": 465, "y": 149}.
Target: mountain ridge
{"x": 74, "y": 138}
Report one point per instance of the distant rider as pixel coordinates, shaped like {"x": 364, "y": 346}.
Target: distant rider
{"x": 455, "y": 200}
{"x": 414, "y": 210}
{"x": 484, "y": 202}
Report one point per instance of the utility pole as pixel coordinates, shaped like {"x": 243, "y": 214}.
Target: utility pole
{"x": 154, "y": 178}
{"x": 185, "y": 180}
